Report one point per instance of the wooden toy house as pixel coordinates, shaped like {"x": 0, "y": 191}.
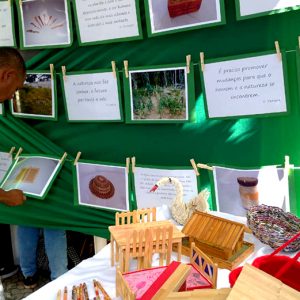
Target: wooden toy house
{"x": 221, "y": 239}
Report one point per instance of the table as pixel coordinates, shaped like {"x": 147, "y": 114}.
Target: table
{"x": 118, "y": 236}
{"x": 99, "y": 267}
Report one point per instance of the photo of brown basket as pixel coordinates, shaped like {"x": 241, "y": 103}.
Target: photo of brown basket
{"x": 181, "y": 7}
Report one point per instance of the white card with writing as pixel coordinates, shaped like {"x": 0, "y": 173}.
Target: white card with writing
{"x": 6, "y": 26}
{"x": 92, "y": 97}
{"x": 257, "y": 6}
{"x": 106, "y": 19}
{"x": 245, "y": 87}
{"x": 145, "y": 179}
{"x": 5, "y": 162}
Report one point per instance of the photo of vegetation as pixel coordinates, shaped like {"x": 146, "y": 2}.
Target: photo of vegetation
{"x": 159, "y": 95}
{"x": 35, "y": 98}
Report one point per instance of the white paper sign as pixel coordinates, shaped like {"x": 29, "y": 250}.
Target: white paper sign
{"x": 250, "y": 7}
{"x": 248, "y": 86}
{"x": 145, "y": 179}
{"x": 5, "y": 162}
{"x": 6, "y": 29}
{"x": 92, "y": 97}
{"x": 101, "y": 20}
{"x": 270, "y": 188}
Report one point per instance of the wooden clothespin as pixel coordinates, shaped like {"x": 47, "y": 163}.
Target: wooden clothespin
{"x": 287, "y": 162}
{"x": 188, "y": 63}
{"x": 113, "y": 65}
{"x": 77, "y": 158}
{"x": 193, "y": 163}
{"x": 133, "y": 164}
{"x": 52, "y": 71}
{"x": 127, "y": 164}
{"x": 204, "y": 166}
{"x": 19, "y": 152}
{"x": 277, "y": 47}
{"x": 202, "y": 64}
{"x": 126, "y": 68}
{"x": 63, "y": 157}
{"x": 12, "y": 150}
{"x": 64, "y": 71}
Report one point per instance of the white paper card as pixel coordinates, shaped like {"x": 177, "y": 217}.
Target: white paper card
{"x": 6, "y": 29}
{"x": 248, "y": 7}
{"x": 145, "y": 179}
{"x": 248, "y": 86}
{"x": 92, "y": 97}
{"x": 270, "y": 189}
{"x": 5, "y": 162}
{"x": 106, "y": 19}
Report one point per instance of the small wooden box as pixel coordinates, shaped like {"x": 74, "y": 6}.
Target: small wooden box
{"x": 181, "y": 7}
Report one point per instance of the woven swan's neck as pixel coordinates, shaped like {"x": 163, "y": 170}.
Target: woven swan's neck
{"x": 177, "y": 184}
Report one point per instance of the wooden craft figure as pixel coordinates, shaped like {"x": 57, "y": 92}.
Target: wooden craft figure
{"x": 181, "y": 211}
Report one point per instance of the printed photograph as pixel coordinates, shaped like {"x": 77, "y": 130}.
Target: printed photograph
{"x": 45, "y": 22}
{"x": 159, "y": 94}
{"x": 36, "y": 98}
{"x": 102, "y": 186}
{"x": 168, "y": 15}
{"x": 32, "y": 175}
{"x": 237, "y": 190}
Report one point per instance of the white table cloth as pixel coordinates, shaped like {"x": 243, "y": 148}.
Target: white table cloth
{"x": 98, "y": 267}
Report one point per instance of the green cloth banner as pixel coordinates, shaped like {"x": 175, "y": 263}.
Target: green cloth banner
{"x": 241, "y": 142}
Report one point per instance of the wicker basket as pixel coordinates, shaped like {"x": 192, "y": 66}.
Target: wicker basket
{"x": 273, "y": 226}
{"x": 181, "y": 7}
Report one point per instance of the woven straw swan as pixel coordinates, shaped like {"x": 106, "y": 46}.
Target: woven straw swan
{"x": 181, "y": 211}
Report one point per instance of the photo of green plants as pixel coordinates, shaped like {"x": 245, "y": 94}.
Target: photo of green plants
{"x": 159, "y": 94}
{"x": 35, "y": 98}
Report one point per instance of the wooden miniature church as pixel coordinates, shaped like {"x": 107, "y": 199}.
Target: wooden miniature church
{"x": 221, "y": 239}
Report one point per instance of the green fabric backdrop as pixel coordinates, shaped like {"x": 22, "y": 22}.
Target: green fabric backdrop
{"x": 244, "y": 142}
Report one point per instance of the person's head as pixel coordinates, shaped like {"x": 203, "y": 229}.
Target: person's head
{"x": 12, "y": 72}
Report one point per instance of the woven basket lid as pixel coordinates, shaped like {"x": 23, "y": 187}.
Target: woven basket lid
{"x": 101, "y": 187}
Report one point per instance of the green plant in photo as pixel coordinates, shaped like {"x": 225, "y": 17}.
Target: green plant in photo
{"x": 142, "y": 103}
{"x": 37, "y": 101}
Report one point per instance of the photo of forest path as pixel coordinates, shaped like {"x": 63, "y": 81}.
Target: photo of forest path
{"x": 158, "y": 95}
{"x": 35, "y": 97}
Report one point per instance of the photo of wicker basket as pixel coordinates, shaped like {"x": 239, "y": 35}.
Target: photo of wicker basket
{"x": 181, "y": 7}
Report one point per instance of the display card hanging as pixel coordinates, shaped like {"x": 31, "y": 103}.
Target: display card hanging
{"x": 171, "y": 16}
{"x": 111, "y": 21}
{"x": 246, "y": 9}
{"x": 37, "y": 99}
{"x": 236, "y": 190}
{"x": 146, "y": 176}
{"x": 159, "y": 94}
{"x": 92, "y": 96}
{"x": 44, "y": 24}
{"x": 245, "y": 85}
{"x": 33, "y": 174}
{"x": 7, "y": 28}
{"x": 101, "y": 185}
